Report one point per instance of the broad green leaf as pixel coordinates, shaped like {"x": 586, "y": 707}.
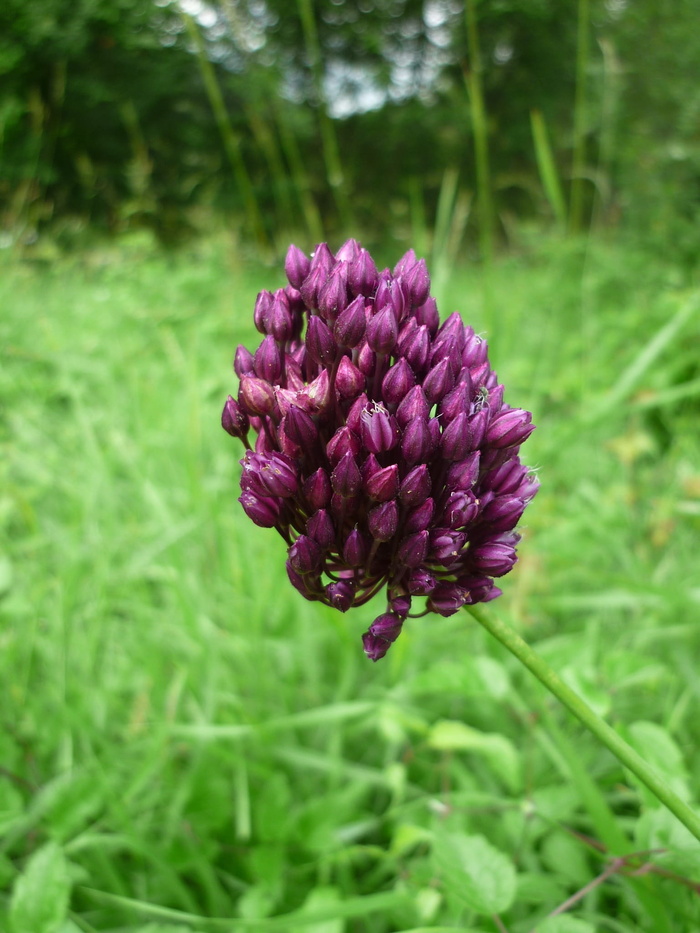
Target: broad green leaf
{"x": 11, "y": 805}
{"x": 564, "y": 923}
{"x": 406, "y": 837}
{"x": 659, "y": 750}
{"x": 493, "y": 675}
{"x": 566, "y": 857}
{"x": 39, "y": 901}
{"x": 475, "y": 872}
{"x": 322, "y": 900}
{"x": 163, "y": 928}
{"x": 583, "y": 681}
{"x": 658, "y": 829}
{"x": 556, "y": 802}
{"x": 539, "y": 888}
{"x": 499, "y": 752}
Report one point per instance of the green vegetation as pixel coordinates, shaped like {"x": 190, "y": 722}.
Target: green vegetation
{"x": 187, "y": 744}
{"x": 292, "y": 118}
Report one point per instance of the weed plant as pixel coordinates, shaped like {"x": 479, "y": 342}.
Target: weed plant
{"x": 187, "y": 744}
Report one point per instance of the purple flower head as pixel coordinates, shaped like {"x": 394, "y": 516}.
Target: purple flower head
{"x": 385, "y": 455}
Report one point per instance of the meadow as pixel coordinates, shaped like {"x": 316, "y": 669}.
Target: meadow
{"x": 188, "y": 745}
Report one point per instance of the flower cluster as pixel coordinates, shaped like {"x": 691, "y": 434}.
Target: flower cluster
{"x": 385, "y": 455}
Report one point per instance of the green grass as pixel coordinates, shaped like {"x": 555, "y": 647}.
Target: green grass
{"x": 188, "y": 745}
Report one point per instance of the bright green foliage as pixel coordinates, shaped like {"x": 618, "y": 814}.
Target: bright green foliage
{"x": 39, "y": 901}
{"x": 474, "y": 872}
{"x": 187, "y": 744}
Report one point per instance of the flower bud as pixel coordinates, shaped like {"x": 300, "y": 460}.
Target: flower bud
{"x": 413, "y": 550}
{"x": 366, "y": 360}
{"x": 305, "y": 555}
{"x": 415, "y": 488}
{"x": 343, "y": 442}
{"x": 278, "y": 477}
{"x": 333, "y": 296}
{"x": 417, "y": 283}
{"x": 349, "y": 327}
{"x": 267, "y": 360}
{"x": 319, "y": 341}
{"x": 398, "y": 381}
{"x": 263, "y": 306}
{"x": 341, "y": 595}
{"x": 503, "y": 513}
{"x": 414, "y": 406}
{"x": 382, "y": 331}
{"x": 349, "y": 381}
{"x": 416, "y": 442}
{"x": 308, "y": 585}
{"x": 384, "y": 484}
{"x": 233, "y": 419}
{"x": 262, "y": 510}
{"x": 419, "y": 519}
{"x": 445, "y": 544}
{"x": 427, "y": 314}
{"x": 317, "y": 489}
{"x": 460, "y": 509}
{"x": 383, "y": 520}
{"x": 256, "y": 396}
{"x": 494, "y": 558}
{"x": 243, "y": 362}
{"x": 509, "y": 428}
{"x": 382, "y": 633}
{"x": 455, "y": 403}
{"x": 379, "y": 430}
{"x": 300, "y": 428}
{"x": 349, "y": 251}
{"x": 400, "y": 604}
{"x": 279, "y": 321}
{"x": 406, "y": 263}
{"x": 362, "y": 275}
{"x": 447, "y": 598}
{"x": 386, "y": 626}
{"x": 312, "y": 285}
{"x": 438, "y": 382}
{"x": 296, "y": 266}
{"x": 320, "y": 528}
{"x": 462, "y": 474}
{"x": 345, "y": 478}
{"x": 455, "y": 439}
{"x": 356, "y": 549}
{"x": 316, "y": 396}
{"x": 421, "y": 582}
{"x": 354, "y": 417}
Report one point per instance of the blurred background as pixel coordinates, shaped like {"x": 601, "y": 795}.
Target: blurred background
{"x": 314, "y": 118}
{"x": 185, "y": 743}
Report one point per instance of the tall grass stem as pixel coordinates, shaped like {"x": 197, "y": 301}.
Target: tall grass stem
{"x": 228, "y": 135}
{"x": 329, "y": 142}
{"x": 300, "y": 177}
{"x": 580, "y": 117}
{"x": 624, "y": 753}
{"x": 477, "y": 110}
{"x": 547, "y": 167}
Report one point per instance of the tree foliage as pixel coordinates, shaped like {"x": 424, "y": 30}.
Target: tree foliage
{"x": 334, "y": 110}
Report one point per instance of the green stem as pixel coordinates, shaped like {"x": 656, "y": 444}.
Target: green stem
{"x": 477, "y": 108}
{"x": 600, "y": 729}
{"x": 582, "y": 49}
{"x": 229, "y": 138}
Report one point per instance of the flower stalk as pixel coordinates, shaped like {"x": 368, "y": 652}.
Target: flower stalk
{"x": 624, "y": 753}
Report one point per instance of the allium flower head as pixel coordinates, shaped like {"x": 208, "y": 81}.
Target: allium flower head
{"x": 384, "y": 453}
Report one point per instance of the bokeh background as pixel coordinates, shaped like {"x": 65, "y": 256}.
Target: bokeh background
{"x": 187, "y": 744}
